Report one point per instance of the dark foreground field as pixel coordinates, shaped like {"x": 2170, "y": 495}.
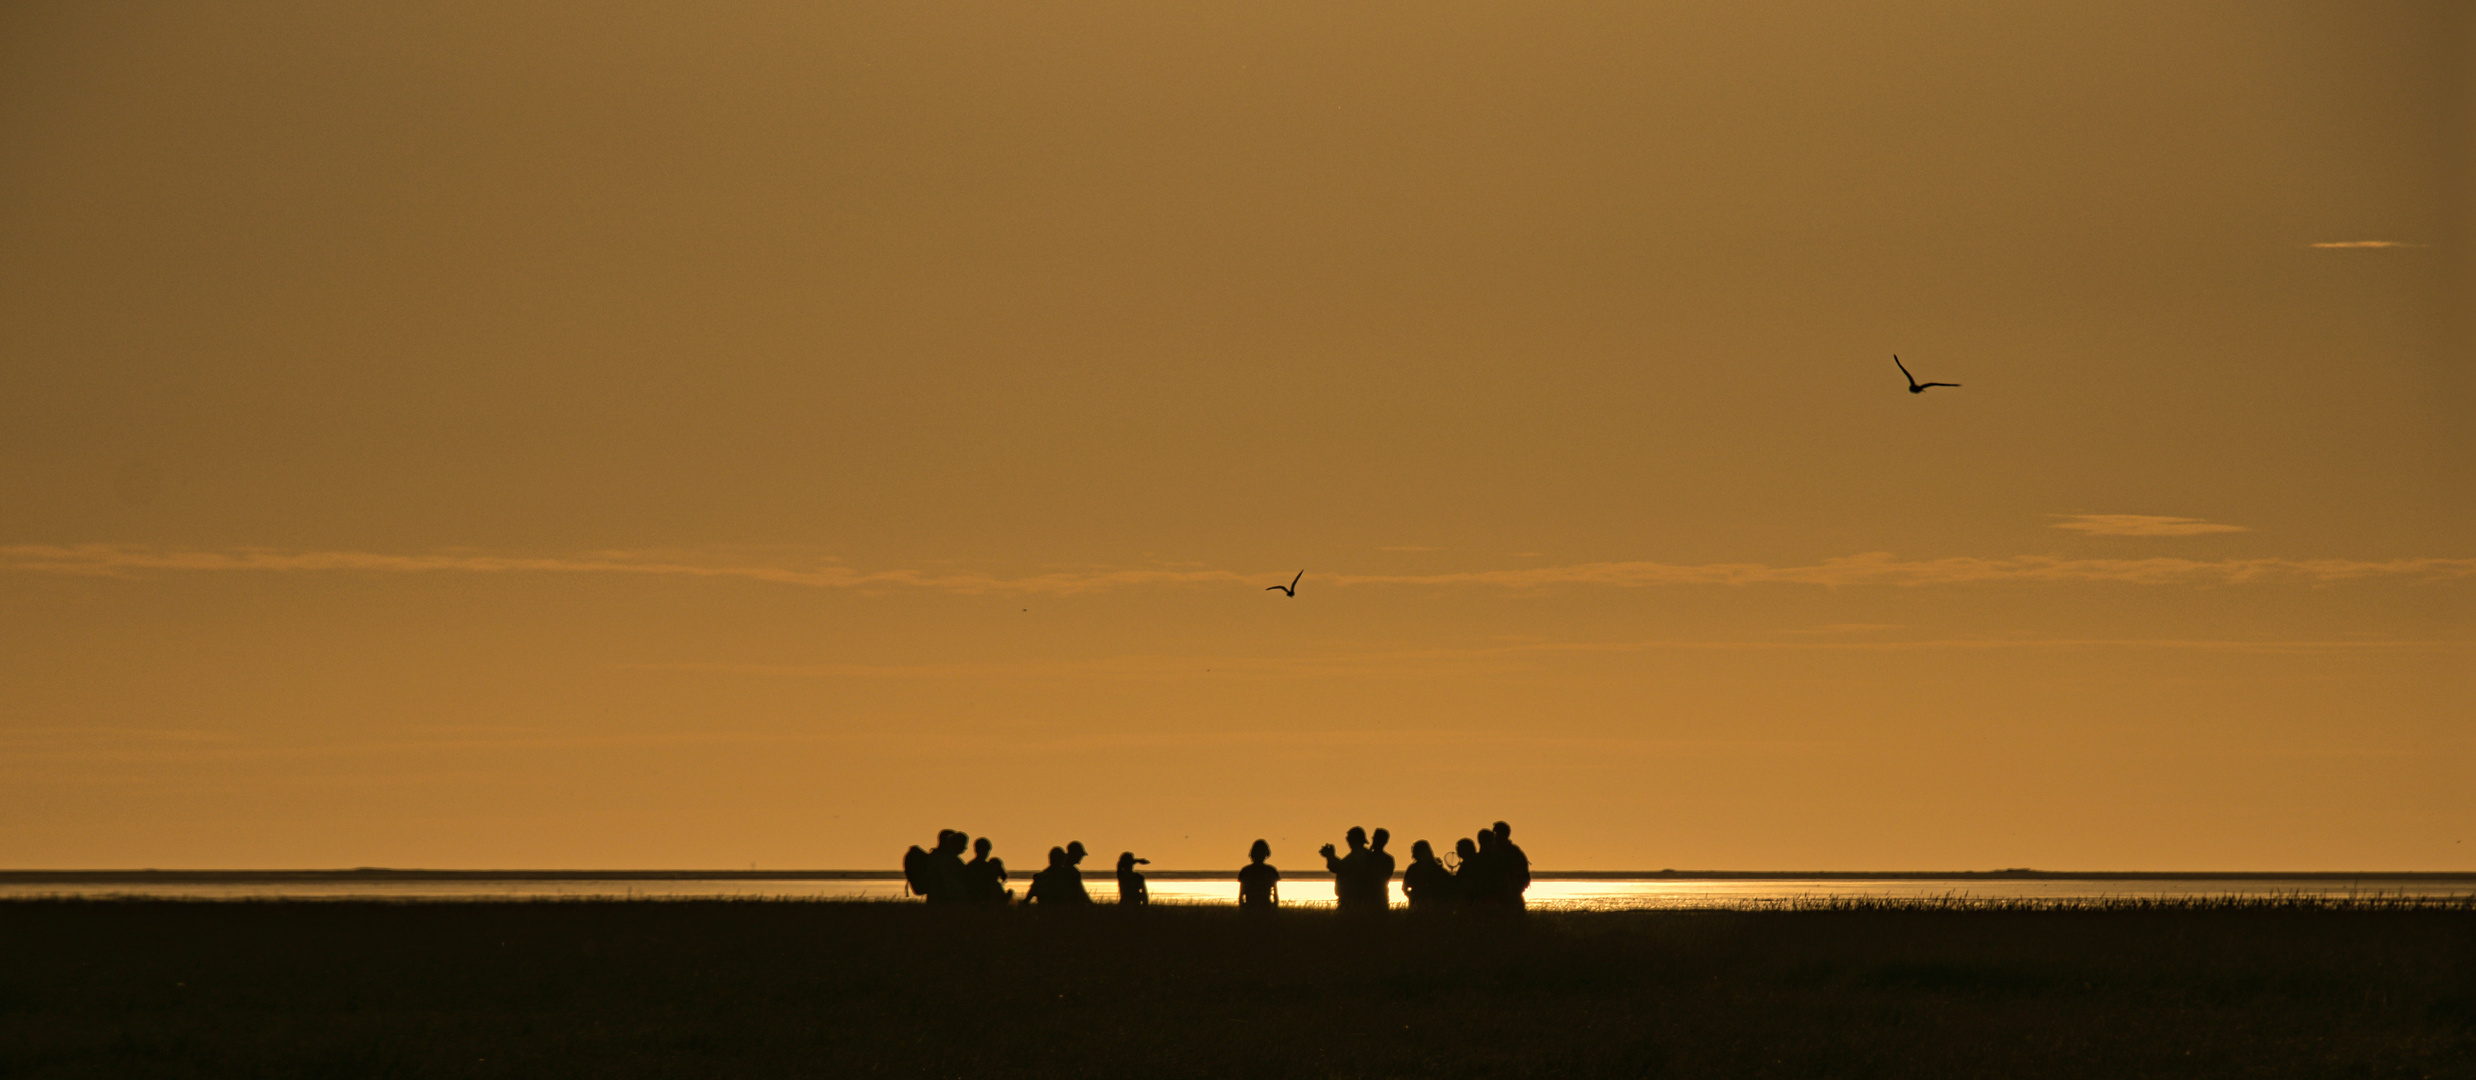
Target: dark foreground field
{"x": 614, "y": 989}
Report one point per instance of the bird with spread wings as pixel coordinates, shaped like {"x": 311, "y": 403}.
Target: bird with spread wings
{"x": 1916, "y": 387}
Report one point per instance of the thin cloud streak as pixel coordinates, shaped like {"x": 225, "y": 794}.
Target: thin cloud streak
{"x": 1882, "y": 568}
{"x": 122, "y": 560}
{"x": 2141, "y": 525}
{"x": 1872, "y": 568}
{"x": 1501, "y": 659}
{"x": 2368, "y": 244}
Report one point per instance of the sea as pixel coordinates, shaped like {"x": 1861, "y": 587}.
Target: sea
{"x": 1720, "y": 890}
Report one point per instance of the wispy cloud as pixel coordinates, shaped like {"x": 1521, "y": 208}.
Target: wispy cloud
{"x": 1497, "y": 660}
{"x": 2141, "y": 525}
{"x": 2367, "y": 244}
{"x": 1872, "y": 568}
{"x": 1882, "y": 568}
{"x": 121, "y": 560}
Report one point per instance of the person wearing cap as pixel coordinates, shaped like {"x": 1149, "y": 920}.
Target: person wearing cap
{"x": 1058, "y": 885}
{"x": 1074, "y": 872}
{"x": 1131, "y": 889}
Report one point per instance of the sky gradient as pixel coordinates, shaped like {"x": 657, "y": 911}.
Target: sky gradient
{"x": 620, "y": 436}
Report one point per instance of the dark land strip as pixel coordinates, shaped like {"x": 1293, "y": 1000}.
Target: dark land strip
{"x": 120, "y": 988}
{"x": 2466, "y": 881}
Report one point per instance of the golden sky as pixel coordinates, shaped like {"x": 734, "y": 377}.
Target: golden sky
{"x": 612, "y": 435}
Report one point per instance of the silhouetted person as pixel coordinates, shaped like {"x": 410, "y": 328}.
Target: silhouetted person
{"x": 1512, "y": 867}
{"x": 1131, "y": 889}
{"x": 1915, "y": 387}
{"x": 938, "y": 875}
{"x": 1259, "y": 885}
{"x": 985, "y": 876}
{"x": 1474, "y": 879}
{"x": 1425, "y": 881}
{"x": 1349, "y": 872}
{"x": 1060, "y": 885}
{"x": 1379, "y": 883}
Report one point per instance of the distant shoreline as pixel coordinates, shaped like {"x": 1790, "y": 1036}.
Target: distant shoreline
{"x": 372, "y": 874}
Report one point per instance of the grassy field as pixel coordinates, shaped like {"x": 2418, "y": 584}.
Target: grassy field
{"x": 756, "y": 988}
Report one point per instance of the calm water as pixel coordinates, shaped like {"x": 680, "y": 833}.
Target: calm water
{"x": 1633, "y": 893}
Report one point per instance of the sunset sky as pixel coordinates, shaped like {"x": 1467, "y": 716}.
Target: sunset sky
{"x": 634, "y": 436}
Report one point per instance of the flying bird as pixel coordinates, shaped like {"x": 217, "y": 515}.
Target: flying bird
{"x": 1290, "y": 589}
{"x": 1916, "y": 387}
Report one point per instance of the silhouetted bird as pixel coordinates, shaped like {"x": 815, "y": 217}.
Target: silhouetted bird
{"x": 1290, "y": 589}
{"x": 1916, "y": 387}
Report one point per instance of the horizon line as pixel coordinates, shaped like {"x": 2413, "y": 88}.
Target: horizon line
{"x": 36, "y": 877}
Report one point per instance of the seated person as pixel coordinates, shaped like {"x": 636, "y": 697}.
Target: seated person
{"x": 1131, "y": 889}
{"x": 985, "y": 876}
{"x": 1061, "y": 885}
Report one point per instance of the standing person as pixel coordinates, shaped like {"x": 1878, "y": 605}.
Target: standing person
{"x": 1425, "y": 881}
{"x": 1259, "y": 885}
{"x": 1349, "y": 871}
{"x": 1131, "y": 889}
{"x": 1471, "y": 883}
{"x": 985, "y": 876}
{"x": 1379, "y": 884}
{"x": 1061, "y": 885}
{"x": 1513, "y": 867}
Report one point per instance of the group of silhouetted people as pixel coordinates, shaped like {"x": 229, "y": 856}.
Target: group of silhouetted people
{"x": 1489, "y": 872}
{"x": 940, "y": 876}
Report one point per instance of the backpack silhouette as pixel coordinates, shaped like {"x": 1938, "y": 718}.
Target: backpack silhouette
{"x": 916, "y": 872}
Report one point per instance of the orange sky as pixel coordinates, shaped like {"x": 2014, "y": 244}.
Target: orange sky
{"x": 626, "y": 436}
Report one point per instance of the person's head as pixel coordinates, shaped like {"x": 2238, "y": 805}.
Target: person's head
{"x": 1422, "y": 851}
{"x": 1357, "y": 837}
{"x": 1383, "y": 836}
{"x": 1057, "y": 857}
{"x": 981, "y": 847}
{"x": 1464, "y": 848}
{"x": 1074, "y": 851}
{"x": 1487, "y": 839}
{"x": 952, "y": 840}
{"x": 1260, "y": 852}
{"x": 1504, "y": 831}
{"x": 1127, "y": 861}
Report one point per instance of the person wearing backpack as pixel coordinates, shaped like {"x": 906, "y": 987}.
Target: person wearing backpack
{"x": 937, "y": 876}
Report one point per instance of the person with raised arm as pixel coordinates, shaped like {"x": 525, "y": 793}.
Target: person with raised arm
{"x": 1131, "y": 888}
{"x": 1351, "y": 873}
